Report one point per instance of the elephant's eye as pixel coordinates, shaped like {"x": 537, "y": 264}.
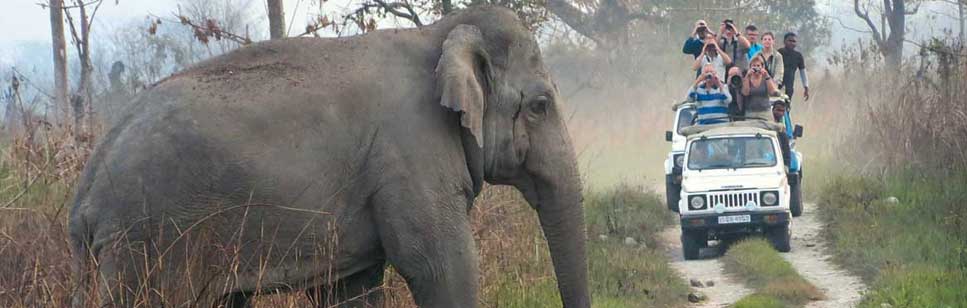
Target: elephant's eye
{"x": 539, "y": 105}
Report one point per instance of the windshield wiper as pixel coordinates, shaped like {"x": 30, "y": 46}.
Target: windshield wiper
{"x": 757, "y": 164}
{"x": 718, "y": 166}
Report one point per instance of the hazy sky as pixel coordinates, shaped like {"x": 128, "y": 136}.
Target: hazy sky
{"x": 24, "y": 21}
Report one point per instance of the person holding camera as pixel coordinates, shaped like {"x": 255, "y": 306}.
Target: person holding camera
{"x": 711, "y": 97}
{"x": 733, "y": 44}
{"x": 757, "y": 87}
{"x": 712, "y": 55}
{"x": 693, "y": 45}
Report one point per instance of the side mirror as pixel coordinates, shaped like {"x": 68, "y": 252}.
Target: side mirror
{"x": 668, "y": 135}
{"x": 797, "y": 132}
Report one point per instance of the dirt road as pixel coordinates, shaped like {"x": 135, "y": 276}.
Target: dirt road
{"x": 808, "y": 256}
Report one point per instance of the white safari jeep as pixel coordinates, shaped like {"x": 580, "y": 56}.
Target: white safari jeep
{"x": 734, "y": 183}
{"x": 684, "y": 115}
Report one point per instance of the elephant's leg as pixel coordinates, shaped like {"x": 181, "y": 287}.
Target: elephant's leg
{"x": 235, "y": 300}
{"x": 431, "y": 244}
{"x": 358, "y": 290}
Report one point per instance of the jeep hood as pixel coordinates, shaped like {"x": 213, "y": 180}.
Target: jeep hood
{"x": 728, "y": 180}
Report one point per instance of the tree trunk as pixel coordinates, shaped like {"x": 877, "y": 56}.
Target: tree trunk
{"x": 276, "y": 19}
{"x": 84, "y": 108}
{"x": 60, "y": 58}
{"x": 963, "y": 36}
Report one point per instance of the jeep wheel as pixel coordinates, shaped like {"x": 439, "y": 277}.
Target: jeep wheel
{"x": 795, "y": 199}
{"x": 672, "y": 196}
{"x": 779, "y": 238}
{"x": 692, "y": 243}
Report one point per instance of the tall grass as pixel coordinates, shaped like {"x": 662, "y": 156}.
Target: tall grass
{"x": 894, "y": 203}
{"x": 912, "y": 249}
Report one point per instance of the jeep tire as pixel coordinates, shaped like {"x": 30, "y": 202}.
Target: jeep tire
{"x": 692, "y": 243}
{"x": 779, "y": 237}
{"x": 672, "y": 195}
{"x": 795, "y": 199}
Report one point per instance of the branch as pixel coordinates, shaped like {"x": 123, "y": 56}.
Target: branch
{"x": 914, "y": 11}
{"x": 392, "y": 8}
{"x": 211, "y": 29}
{"x": 574, "y": 18}
{"x": 841, "y": 24}
{"x": 877, "y": 37}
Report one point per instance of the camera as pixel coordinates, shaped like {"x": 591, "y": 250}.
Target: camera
{"x": 735, "y": 81}
{"x": 708, "y": 76}
{"x": 701, "y": 31}
{"x": 710, "y": 48}
{"x": 755, "y": 69}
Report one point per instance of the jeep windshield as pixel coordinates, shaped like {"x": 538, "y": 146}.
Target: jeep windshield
{"x": 731, "y": 153}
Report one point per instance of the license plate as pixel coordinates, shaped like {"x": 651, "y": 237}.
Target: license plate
{"x": 734, "y": 219}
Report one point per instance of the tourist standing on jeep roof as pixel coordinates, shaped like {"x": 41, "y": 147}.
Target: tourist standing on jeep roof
{"x": 793, "y": 61}
{"x": 732, "y": 42}
{"x": 773, "y": 58}
{"x": 693, "y": 45}
{"x": 711, "y": 96}
{"x": 752, "y": 34}
{"x": 757, "y": 86}
{"x": 712, "y": 55}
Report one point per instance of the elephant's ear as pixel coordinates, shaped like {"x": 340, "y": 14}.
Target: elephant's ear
{"x": 462, "y": 77}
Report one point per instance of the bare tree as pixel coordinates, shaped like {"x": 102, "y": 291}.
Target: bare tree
{"x": 80, "y": 31}
{"x": 276, "y": 19}
{"x": 890, "y": 35}
{"x": 60, "y": 54}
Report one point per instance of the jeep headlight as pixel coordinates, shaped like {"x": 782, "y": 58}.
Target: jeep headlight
{"x": 696, "y": 202}
{"x": 770, "y": 198}
{"x": 679, "y": 160}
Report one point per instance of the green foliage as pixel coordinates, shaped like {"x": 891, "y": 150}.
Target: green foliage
{"x": 759, "y": 301}
{"x": 913, "y": 250}
{"x": 766, "y": 271}
{"x": 919, "y": 286}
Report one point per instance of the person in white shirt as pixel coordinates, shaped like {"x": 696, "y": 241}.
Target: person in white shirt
{"x": 712, "y": 54}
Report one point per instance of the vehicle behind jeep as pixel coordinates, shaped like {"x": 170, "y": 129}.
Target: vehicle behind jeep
{"x": 734, "y": 183}
{"x": 684, "y": 116}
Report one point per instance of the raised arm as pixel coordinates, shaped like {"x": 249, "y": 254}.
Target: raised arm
{"x": 698, "y": 63}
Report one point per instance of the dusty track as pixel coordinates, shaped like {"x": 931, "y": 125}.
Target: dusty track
{"x": 842, "y": 288}
{"x": 808, "y": 256}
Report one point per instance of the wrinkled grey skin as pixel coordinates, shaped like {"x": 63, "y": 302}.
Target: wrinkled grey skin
{"x": 312, "y": 164}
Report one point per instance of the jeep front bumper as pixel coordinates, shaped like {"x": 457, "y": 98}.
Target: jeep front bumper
{"x": 757, "y": 219}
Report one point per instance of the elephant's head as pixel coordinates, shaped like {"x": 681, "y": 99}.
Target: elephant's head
{"x": 492, "y": 73}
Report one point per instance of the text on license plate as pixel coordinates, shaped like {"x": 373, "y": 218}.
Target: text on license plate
{"x": 734, "y": 219}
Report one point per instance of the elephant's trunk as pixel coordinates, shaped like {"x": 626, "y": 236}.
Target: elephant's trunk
{"x": 557, "y": 186}
{"x": 562, "y": 219}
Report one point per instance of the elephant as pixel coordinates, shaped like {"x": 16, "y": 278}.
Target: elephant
{"x": 313, "y": 164}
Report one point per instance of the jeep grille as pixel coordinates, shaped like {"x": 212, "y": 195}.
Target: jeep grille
{"x": 732, "y": 199}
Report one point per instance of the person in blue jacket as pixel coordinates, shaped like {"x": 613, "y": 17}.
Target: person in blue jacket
{"x": 696, "y": 41}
